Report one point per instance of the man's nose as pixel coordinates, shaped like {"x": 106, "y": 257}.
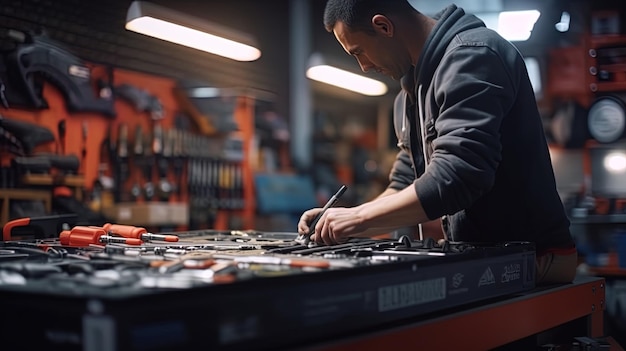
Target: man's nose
{"x": 366, "y": 66}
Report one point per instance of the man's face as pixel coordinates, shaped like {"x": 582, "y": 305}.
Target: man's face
{"x": 372, "y": 52}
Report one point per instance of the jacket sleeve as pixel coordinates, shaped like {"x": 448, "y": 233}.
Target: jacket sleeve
{"x": 471, "y": 92}
{"x": 401, "y": 174}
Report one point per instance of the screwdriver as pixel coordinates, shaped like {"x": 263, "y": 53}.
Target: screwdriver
{"x": 304, "y": 239}
{"x": 85, "y": 236}
{"x": 129, "y": 231}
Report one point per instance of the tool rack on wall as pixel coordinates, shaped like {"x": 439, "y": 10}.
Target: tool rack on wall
{"x": 96, "y": 141}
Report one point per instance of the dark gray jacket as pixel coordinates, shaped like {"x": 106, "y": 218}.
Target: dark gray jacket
{"x": 471, "y": 106}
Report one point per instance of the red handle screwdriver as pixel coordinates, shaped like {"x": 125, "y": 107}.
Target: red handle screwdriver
{"x": 85, "y": 236}
{"x": 129, "y": 231}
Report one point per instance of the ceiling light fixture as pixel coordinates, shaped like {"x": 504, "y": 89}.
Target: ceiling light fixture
{"x": 322, "y": 72}
{"x": 563, "y": 25}
{"x": 163, "y": 23}
{"x": 517, "y": 25}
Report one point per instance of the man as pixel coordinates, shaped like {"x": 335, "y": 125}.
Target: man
{"x": 473, "y": 151}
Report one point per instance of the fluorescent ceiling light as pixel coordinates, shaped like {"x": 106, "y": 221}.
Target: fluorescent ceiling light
{"x": 162, "y": 23}
{"x": 563, "y": 25}
{"x": 325, "y": 73}
{"x": 346, "y": 80}
{"x": 615, "y": 162}
{"x": 517, "y": 25}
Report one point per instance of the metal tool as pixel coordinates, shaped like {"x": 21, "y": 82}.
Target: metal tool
{"x": 129, "y": 231}
{"x": 37, "y": 227}
{"x": 85, "y": 236}
{"x": 305, "y": 238}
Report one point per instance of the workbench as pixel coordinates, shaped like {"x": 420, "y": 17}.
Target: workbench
{"x": 495, "y": 324}
{"x": 383, "y": 295}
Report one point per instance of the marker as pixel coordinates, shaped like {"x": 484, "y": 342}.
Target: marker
{"x": 304, "y": 239}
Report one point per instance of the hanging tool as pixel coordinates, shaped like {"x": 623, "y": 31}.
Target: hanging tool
{"x": 27, "y": 136}
{"x": 162, "y": 150}
{"x": 135, "y": 190}
{"x": 128, "y": 231}
{"x": 147, "y": 163}
{"x": 83, "y": 151}
{"x": 104, "y": 183}
{"x": 36, "y": 56}
{"x": 61, "y": 131}
{"x": 85, "y": 236}
{"x": 120, "y": 165}
{"x": 178, "y": 159}
{"x": 141, "y": 99}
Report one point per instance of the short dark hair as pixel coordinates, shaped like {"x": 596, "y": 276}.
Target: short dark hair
{"x": 356, "y": 14}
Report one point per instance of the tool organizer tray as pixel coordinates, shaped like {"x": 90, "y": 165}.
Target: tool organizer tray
{"x": 241, "y": 290}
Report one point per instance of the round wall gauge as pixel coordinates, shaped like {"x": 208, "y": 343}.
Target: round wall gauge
{"x": 607, "y": 119}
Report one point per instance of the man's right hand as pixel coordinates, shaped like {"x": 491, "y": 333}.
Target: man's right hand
{"x": 306, "y": 218}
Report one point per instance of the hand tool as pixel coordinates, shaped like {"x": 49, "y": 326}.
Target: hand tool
{"x": 178, "y": 159}
{"x": 305, "y": 238}
{"x": 26, "y": 135}
{"x": 135, "y": 190}
{"x": 141, "y": 99}
{"x": 86, "y": 235}
{"x": 292, "y": 261}
{"x": 191, "y": 260}
{"x": 61, "y": 131}
{"x": 162, "y": 149}
{"x": 39, "y": 55}
{"x": 148, "y": 164}
{"x": 171, "y": 266}
{"x": 38, "y": 227}
{"x": 44, "y": 162}
{"x": 128, "y": 231}
{"x": 83, "y": 151}
{"x": 120, "y": 162}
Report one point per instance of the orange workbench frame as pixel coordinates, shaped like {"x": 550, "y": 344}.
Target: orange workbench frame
{"x": 494, "y": 324}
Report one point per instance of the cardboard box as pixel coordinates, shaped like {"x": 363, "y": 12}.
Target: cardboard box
{"x": 148, "y": 214}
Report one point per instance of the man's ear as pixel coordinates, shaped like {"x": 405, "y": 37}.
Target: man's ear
{"x": 382, "y": 25}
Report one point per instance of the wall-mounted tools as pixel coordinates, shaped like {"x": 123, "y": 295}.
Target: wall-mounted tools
{"x": 147, "y": 165}
{"x": 162, "y": 149}
{"x": 135, "y": 190}
{"x": 138, "y": 157}
{"x": 120, "y": 162}
{"x": 45, "y": 163}
{"x": 211, "y": 109}
{"x": 178, "y": 159}
{"x": 141, "y": 100}
{"x": 143, "y": 159}
{"x": 23, "y": 136}
{"x": 61, "y": 132}
{"x": 214, "y": 179}
{"x": 37, "y": 58}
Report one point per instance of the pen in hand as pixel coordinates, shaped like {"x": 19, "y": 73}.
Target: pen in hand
{"x": 304, "y": 238}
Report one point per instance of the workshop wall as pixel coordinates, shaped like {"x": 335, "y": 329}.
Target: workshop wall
{"x": 111, "y": 175}
{"x": 94, "y": 32}
{"x": 78, "y": 141}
